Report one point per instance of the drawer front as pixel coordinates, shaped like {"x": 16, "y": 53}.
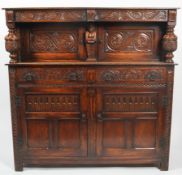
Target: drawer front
{"x": 131, "y": 75}
{"x": 106, "y": 75}
{"x": 51, "y": 75}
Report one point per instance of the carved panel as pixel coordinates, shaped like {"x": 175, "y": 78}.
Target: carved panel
{"x": 91, "y": 15}
{"x": 52, "y": 103}
{"x": 50, "y": 15}
{"x": 129, "y": 41}
{"x": 132, "y": 15}
{"x": 53, "y": 41}
{"x": 134, "y": 74}
{"x": 130, "y": 102}
{"x": 57, "y": 74}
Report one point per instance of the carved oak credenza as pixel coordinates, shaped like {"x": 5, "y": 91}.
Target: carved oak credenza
{"x": 91, "y": 86}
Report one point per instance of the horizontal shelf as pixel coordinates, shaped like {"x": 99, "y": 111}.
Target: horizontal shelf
{"x": 157, "y": 63}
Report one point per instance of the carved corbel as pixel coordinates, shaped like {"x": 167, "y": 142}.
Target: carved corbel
{"x": 12, "y": 39}
{"x": 169, "y": 42}
{"x": 91, "y": 39}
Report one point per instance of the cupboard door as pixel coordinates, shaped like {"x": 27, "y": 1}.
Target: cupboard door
{"x": 128, "y": 122}
{"x": 55, "y": 121}
{"x": 129, "y": 42}
{"x": 56, "y": 43}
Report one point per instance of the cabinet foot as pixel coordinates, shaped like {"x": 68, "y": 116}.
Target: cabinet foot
{"x": 18, "y": 167}
{"x": 164, "y": 166}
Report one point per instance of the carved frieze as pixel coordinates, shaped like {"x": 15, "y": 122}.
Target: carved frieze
{"x": 129, "y": 41}
{"x": 50, "y": 15}
{"x": 53, "y": 41}
{"x": 51, "y": 74}
{"x": 131, "y": 74}
{"x": 91, "y": 15}
{"x": 132, "y": 15}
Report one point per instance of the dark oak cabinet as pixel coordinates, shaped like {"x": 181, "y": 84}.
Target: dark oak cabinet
{"x": 91, "y": 87}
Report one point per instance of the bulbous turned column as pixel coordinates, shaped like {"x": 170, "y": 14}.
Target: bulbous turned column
{"x": 169, "y": 44}
{"x": 12, "y": 39}
{"x": 11, "y": 45}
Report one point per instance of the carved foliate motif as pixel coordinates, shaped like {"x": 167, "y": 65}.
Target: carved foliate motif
{"x": 53, "y": 41}
{"x": 74, "y": 76}
{"x": 50, "y": 15}
{"x": 53, "y": 74}
{"x": 134, "y": 74}
{"x": 129, "y": 41}
{"x": 132, "y": 15}
{"x": 130, "y": 103}
{"x": 153, "y": 75}
{"x": 52, "y": 103}
{"x": 91, "y": 15}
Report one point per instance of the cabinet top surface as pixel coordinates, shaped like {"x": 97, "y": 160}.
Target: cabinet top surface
{"x": 45, "y": 8}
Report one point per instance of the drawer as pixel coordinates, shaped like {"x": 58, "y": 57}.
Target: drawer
{"x": 51, "y": 75}
{"x": 131, "y": 75}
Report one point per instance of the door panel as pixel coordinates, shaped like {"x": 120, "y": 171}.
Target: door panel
{"x": 127, "y": 122}
{"x": 67, "y": 139}
{"x": 37, "y": 134}
{"x": 129, "y": 42}
{"x": 113, "y": 129}
{"x": 56, "y": 43}
{"x": 145, "y": 133}
{"x": 55, "y": 120}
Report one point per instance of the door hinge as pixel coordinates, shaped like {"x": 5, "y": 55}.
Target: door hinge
{"x": 17, "y": 100}
{"x": 164, "y": 101}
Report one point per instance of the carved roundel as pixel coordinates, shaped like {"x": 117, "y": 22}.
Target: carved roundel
{"x": 68, "y": 42}
{"x": 115, "y": 41}
{"x": 135, "y": 14}
{"x": 142, "y": 42}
